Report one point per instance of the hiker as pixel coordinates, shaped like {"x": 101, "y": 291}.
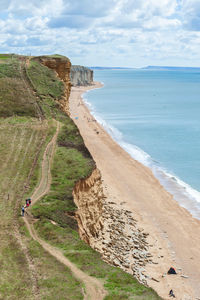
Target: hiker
{"x": 29, "y": 201}
{"x": 23, "y": 209}
{"x": 171, "y": 294}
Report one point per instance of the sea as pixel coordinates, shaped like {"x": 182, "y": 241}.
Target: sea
{"x": 154, "y": 114}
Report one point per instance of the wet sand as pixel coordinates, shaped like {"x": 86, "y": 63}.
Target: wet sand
{"x": 174, "y": 235}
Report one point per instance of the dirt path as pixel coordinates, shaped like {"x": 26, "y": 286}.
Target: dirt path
{"x": 94, "y": 289}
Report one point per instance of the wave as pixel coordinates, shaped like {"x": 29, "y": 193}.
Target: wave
{"x": 182, "y": 192}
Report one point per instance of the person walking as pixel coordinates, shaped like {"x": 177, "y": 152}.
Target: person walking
{"x": 23, "y": 210}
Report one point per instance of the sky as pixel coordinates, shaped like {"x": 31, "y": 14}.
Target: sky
{"x": 120, "y": 33}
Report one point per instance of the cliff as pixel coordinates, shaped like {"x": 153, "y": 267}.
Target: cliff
{"x": 33, "y": 91}
{"x": 61, "y": 65}
{"x": 81, "y": 75}
{"x": 112, "y": 232}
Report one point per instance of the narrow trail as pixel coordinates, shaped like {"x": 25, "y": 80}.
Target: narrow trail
{"x": 94, "y": 289}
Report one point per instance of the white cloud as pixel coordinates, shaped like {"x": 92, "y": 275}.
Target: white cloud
{"x": 191, "y": 14}
{"x": 112, "y": 32}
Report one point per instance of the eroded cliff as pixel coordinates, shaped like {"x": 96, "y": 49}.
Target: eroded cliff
{"x": 80, "y": 75}
{"x": 111, "y": 231}
{"x": 61, "y": 65}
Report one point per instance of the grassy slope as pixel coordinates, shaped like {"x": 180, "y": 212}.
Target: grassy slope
{"x": 23, "y": 138}
{"x": 72, "y": 162}
{"x": 22, "y": 133}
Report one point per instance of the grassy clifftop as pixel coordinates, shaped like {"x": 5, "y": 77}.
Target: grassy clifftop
{"x": 30, "y": 96}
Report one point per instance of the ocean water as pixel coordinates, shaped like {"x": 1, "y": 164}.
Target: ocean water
{"x": 155, "y": 116}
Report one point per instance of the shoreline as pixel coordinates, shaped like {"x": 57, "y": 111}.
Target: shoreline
{"x": 174, "y": 233}
{"x": 186, "y": 196}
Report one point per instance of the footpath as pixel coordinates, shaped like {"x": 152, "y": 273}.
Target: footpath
{"x": 93, "y": 288}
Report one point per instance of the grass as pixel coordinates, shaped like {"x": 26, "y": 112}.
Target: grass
{"x": 56, "y": 56}
{"x": 55, "y": 280}
{"x": 10, "y": 70}
{"x": 15, "y": 98}
{"x": 20, "y": 140}
{"x": 71, "y": 164}
{"x": 45, "y": 81}
{"x": 23, "y": 139}
{"x": 6, "y": 56}
{"x": 48, "y": 88}
{"x": 13, "y": 277}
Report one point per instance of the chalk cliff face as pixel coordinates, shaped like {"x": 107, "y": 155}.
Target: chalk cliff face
{"x": 81, "y": 75}
{"x": 61, "y": 65}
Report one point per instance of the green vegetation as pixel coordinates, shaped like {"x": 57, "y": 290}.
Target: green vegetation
{"x": 54, "y": 279}
{"x": 56, "y": 56}
{"x": 49, "y": 90}
{"x": 13, "y": 276}
{"x": 23, "y": 140}
{"x": 69, "y": 166}
{"x": 45, "y": 81}
{"x": 5, "y": 57}
{"x": 29, "y": 101}
{"x": 20, "y": 143}
{"x": 70, "y": 137}
{"x": 15, "y": 96}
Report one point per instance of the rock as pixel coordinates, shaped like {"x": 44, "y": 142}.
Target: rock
{"x": 125, "y": 265}
{"x": 149, "y": 255}
{"x": 116, "y": 262}
{"x": 80, "y": 75}
{"x": 184, "y": 276}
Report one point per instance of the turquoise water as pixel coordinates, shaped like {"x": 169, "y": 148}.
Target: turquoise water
{"x": 155, "y": 116}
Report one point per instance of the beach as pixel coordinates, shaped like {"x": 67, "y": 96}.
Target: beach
{"x": 173, "y": 232}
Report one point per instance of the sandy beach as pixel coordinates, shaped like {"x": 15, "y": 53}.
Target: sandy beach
{"x": 173, "y": 233}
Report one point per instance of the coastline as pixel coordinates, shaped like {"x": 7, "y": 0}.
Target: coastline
{"x": 173, "y": 232}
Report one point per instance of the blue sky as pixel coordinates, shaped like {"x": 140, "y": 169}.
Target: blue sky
{"x": 130, "y": 33}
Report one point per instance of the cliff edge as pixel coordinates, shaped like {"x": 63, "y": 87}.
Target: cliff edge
{"x": 62, "y": 66}
{"x": 80, "y": 75}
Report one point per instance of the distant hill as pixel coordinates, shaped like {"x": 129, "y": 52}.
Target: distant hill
{"x": 109, "y": 68}
{"x": 171, "y": 68}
